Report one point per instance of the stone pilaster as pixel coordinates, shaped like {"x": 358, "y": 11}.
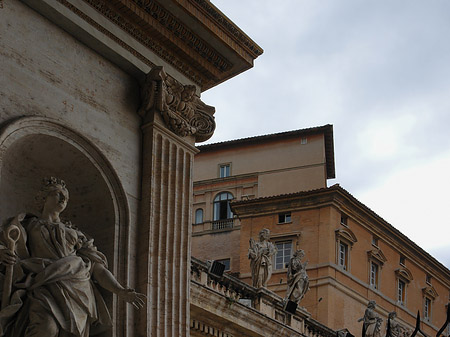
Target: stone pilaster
{"x": 173, "y": 119}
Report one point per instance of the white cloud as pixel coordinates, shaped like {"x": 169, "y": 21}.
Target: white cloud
{"x": 379, "y": 72}
{"x": 415, "y": 201}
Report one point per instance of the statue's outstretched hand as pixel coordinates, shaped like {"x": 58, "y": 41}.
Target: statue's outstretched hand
{"x": 7, "y": 257}
{"x": 138, "y": 300}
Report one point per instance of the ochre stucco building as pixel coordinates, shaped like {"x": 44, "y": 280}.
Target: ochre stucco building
{"x": 279, "y": 182}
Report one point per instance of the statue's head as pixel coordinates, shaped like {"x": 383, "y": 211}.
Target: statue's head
{"x": 300, "y": 253}
{"x": 264, "y": 234}
{"x": 392, "y": 315}
{"x": 372, "y": 304}
{"x": 53, "y": 195}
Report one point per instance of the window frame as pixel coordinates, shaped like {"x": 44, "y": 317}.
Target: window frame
{"x": 285, "y": 263}
{"x": 377, "y": 258}
{"x": 405, "y": 276}
{"x": 284, "y": 215}
{"x": 344, "y": 238}
{"x": 226, "y": 171}
{"x": 343, "y": 253}
{"x": 375, "y": 241}
{"x": 218, "y": 203}
{"x": 401, "y": 293}
{"x": 344, "y": 220}
{"x": 374, "y": 276}
{"x": 427, "y": 308}
{"x": 196, "y": 222}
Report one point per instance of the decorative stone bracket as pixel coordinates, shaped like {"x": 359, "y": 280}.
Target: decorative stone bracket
{"x": 183, "y": 112}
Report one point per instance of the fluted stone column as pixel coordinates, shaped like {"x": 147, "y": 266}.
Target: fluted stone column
{"x": 174, "y": 118}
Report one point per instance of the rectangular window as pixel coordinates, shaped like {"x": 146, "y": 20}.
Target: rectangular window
{"x": 225, "y": 262}
{"x": 401, "y": 292}
{"x": 374, "y": 270}
{"x": 304, "y": 140}
{"x": 428, "y": 279}
{"x": 343, "y": 255}
{"x": 427, "y": 309}
{"x": 284, "y": 252}
{"x": 402, "y": 260}
{"x": 284, "y": 217}
{"x": 224, "y": 170}
{"x": 375, "y": 241}
{"x": 344, "y": 220}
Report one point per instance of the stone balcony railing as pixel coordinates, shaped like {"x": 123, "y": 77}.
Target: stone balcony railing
{"x": 222, "y": 224}
{"x": 243, "y": 310}
{"x": 213, "y": 225}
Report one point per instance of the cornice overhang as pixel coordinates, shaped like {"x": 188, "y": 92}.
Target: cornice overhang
{"x": 191, "y": 36}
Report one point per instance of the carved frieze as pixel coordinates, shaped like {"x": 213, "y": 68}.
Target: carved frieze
{"x": 182, "y": 110}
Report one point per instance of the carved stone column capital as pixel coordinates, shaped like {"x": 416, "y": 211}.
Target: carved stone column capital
{"x": 182, "y": 110}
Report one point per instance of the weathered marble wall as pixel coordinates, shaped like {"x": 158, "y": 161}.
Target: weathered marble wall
{"x": 86, "y": 131}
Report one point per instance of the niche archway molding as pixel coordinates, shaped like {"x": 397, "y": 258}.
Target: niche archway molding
{"x": 32, "y": 148}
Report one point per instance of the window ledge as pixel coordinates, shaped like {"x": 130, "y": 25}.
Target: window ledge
{"x": 284, "y": 223}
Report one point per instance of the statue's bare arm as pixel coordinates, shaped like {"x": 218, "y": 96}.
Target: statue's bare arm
{"x": 107, "y": 280}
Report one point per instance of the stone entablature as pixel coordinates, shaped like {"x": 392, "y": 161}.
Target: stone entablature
{"x": 219, "y": 299}
{"x": 191, "y": 36}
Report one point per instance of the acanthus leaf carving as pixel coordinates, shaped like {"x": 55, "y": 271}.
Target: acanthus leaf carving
{"x": 182, "y": 110}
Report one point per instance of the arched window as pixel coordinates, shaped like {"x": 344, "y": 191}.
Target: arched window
{"x": 222, "y": 208}
{"x": 199, "y": 216}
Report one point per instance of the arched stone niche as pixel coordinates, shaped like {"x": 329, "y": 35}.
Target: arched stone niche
{"x": 32, "y": 148}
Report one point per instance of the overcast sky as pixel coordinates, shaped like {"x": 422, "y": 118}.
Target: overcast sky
{"x": 379, "y": 71}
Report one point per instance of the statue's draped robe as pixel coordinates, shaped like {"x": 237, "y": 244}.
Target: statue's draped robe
{"x": 260, "y": 254}
{"x": 297, "y": 281}
{"x": 53, "y": 273}
{"x": 370, "y": 322}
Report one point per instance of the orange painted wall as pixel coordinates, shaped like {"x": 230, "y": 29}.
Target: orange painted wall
{"x": 344, "y": 294}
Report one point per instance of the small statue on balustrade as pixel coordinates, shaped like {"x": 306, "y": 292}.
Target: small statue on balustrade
{"x": 371, "y": 321}
{"x": 297, "y": 279}
{"x": 51, "y": 271}
{"x": 397, "y": 330}
{"x": 261, "y": 254}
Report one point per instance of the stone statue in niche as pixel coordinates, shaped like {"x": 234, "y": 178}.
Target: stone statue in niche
{"x": 261, "y": 254}
{"x": 371, "y": 321}
{"x": 297, "y": 279}
{"x": 51, "y": 271}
